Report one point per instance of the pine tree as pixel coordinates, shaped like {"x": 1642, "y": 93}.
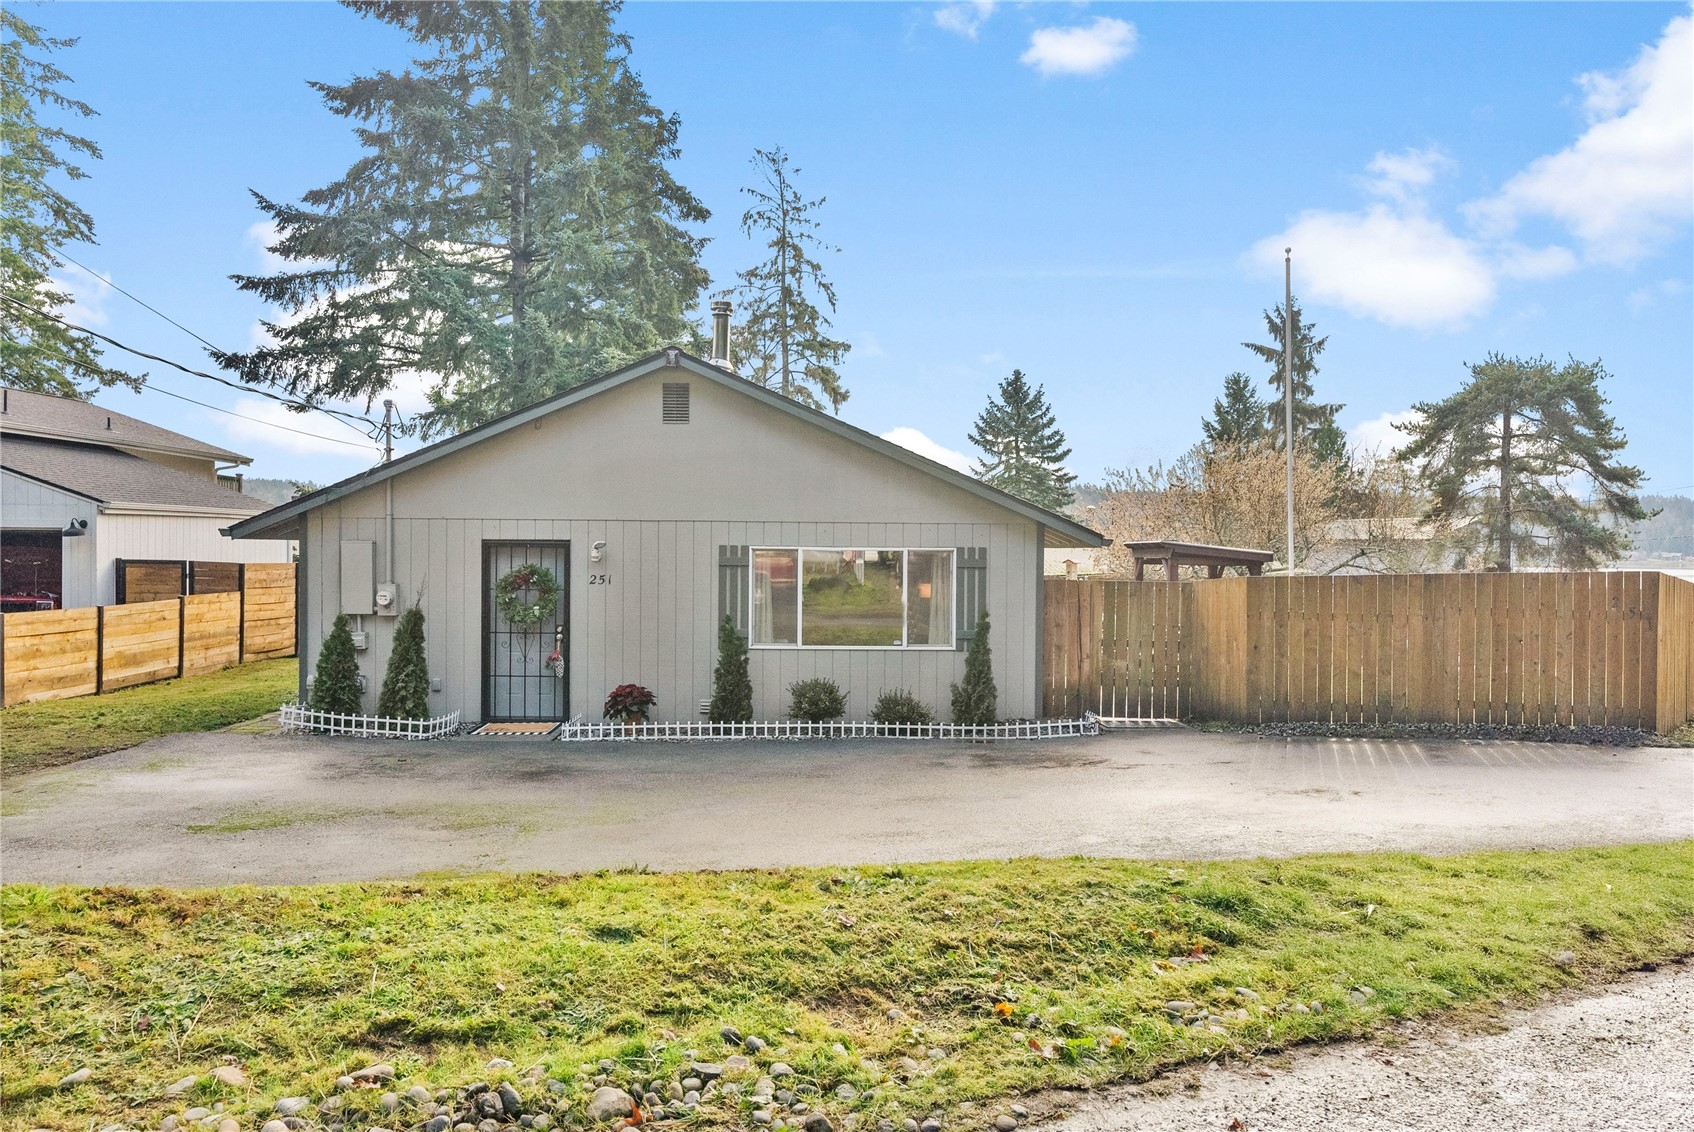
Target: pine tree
{"x": 335, "y": 683}
{"x": 510, "y": 230}
{"x": 975, "y": 700}
{"x": 1313, "y": 422}
{"x": 1025, "y": 450}
{"x": 732, "y": 686}
{"x": 405, "y": 686}
{"x": 37, "y": 352}
{"x": 781, "y": 341}
{"x": 1238, "y": 417}
{"x": 1503, "y": 457}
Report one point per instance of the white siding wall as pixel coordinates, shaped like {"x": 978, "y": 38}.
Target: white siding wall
{"x": 664, "y": 499}
{"x": 28, "y": 505}
{"x": 90, "y": 562}
{"x": 195, "y": 537}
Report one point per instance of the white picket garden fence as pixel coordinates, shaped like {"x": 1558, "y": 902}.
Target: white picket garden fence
{"x": 578, "y": 732}
{"x": 298, "y": 717}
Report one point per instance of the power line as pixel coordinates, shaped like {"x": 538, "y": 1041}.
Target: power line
{"x": 337, "y": 413}
{"x": 67, "y": 359}
{"x": 135, "y": 299}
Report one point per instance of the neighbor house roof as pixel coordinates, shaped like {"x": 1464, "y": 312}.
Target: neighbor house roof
{"x": 115, "y": 478}
{"x": 280, "y": 522}
{"x": 66, "y": 418}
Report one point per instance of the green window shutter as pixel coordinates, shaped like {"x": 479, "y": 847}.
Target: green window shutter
{"x": 733, "y": 564}
{"x": 972, "y": 574}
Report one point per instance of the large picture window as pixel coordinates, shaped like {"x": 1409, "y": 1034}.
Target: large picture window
{"x": 852, "y": 598}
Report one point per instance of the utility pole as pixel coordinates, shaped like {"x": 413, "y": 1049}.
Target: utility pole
{"x": 388, "y": 431}
{"x": 1288, "y": 387}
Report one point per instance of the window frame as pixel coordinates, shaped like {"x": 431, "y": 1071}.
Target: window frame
{"x": 906, "y": 552}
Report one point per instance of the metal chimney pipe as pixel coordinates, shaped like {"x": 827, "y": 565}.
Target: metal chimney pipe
{"x": 720, "y": 334}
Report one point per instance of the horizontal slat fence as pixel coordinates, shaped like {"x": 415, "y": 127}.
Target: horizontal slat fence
{"x": 60, "y": 653}
{"x": 1609, "y": 648}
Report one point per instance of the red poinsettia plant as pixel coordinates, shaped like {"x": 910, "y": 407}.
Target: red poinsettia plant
{"x": 629, "y": 703}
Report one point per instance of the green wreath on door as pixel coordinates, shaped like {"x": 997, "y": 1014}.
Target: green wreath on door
{"x": 511, "y": 595}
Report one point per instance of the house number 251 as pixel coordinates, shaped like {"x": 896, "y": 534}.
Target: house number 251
{"x": 599, "y": 579}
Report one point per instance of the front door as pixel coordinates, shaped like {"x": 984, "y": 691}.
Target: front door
{"x": 525, "y": 618}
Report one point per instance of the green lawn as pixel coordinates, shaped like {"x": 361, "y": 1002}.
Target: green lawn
{"x": 52, "y": 732}
{"x": 1024, "y": 974}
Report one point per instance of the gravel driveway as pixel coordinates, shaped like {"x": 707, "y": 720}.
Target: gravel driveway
{"x": 1618, "y": 1061}
{"x": 225, "y": 808}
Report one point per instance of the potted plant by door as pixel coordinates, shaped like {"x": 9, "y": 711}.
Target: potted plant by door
{"x": 629, "y": 705}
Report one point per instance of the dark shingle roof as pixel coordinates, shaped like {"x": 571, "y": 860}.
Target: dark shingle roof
{"x": 109, "y": 476}
{"x": 65, "y": 418}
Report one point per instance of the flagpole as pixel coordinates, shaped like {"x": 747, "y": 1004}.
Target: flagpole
{"x": 1288, "y": 388}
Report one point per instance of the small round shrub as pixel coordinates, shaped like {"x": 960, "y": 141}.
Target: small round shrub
{"x": 817, "y": 700}
{"x": 900, "y": 706}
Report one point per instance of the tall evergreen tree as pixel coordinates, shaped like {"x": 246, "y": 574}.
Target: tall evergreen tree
{"x": 1314, "y": 421}
{"x": 1024, "y": 450}
{"x": 782, "y": 341}
{"x": 1504, "y": 458}
{"x": 405, "y": 686}
{"x": 1238, "y": 417}
{"x": 510, "y": 230}
{"x": 37, "y": 219}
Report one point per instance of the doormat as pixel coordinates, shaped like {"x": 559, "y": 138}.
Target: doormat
{"x": 529, "y": 729}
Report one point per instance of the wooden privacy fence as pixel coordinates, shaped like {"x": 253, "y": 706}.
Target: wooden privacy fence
{"x": 59, "y": 653}
{"x": 1524, "y": 649}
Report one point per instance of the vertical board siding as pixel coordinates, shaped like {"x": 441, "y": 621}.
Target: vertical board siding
{"x": 1537, "y": 649}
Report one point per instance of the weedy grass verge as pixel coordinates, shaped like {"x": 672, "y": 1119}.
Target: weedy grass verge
{"x": 1024, "y": 974}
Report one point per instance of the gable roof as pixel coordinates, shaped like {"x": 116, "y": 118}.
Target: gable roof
{"x": 66, "y": 418}
{"x": 108, "y": 476}
{"x": 281, "y": 522}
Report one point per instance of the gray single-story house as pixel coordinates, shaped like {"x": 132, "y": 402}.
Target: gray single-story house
{"x": 661, "y": 497}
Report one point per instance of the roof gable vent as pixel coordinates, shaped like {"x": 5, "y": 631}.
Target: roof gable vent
{"x": 675, "y": 402}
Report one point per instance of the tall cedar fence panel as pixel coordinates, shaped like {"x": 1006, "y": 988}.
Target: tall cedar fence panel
{"x": 60, "y": 653}
{"x": 1571, "y": 649}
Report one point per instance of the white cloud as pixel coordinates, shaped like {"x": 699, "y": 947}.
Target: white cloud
{"x": 88, "y": 294}
{"x": 964, "y": 18}
{"x": 1089, "y": 50}
{"x": 259, "y": 416}
{"x": 1625, "y": 183}
{"x": 1645, "y": 298}
{"x": 1402, "y": 176}
{"x": 1380, "y": 435}
{"x": 1629, "y": 179}
{"x": 915, "y": 441}
{"x": 1390, "y": 262}
{"x": 260, "y": 236}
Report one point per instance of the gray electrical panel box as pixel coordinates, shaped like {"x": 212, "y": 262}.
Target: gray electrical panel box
{"x": 358, "y": 577}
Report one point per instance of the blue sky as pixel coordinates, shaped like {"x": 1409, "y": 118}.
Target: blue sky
{"x": 1093, "y": 193}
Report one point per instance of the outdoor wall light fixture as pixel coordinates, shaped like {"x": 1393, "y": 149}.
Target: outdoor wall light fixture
{"x": 76, "y": 528}
{"x": 597, "y": 551}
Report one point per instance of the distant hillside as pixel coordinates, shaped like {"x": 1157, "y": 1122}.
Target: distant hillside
{"x": 1667, "y": 535}
{"x": 271, "y": 491}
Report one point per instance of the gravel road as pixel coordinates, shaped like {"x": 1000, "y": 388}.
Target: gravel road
{"x": 1614, "y": 1061}
{"x": 279, "y": 809}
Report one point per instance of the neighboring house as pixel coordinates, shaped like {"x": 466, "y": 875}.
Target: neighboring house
{"x": 126, "y": 488}
{"x": 662, "y": 497}
{"x": 1073, "y": 563}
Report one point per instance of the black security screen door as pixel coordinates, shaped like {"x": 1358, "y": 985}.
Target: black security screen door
{"x": 518, "y": 681}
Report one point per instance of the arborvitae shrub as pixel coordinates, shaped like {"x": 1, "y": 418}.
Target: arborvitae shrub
{"x": 405, "y": 686}
{"x": 732, "y": 685}
{"x": 816, "y": 701}
{"x": 975, "y": 701}
{"x": 335, "y": 683}
{"x": 900, "y": 706}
